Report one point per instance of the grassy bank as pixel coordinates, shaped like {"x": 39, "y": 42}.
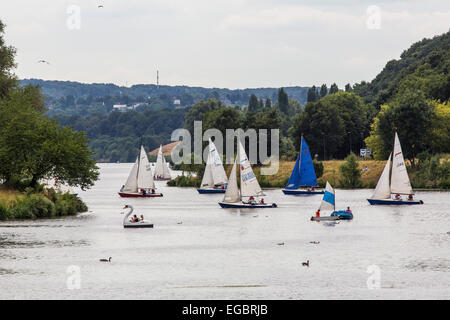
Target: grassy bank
{"x": 370, "y": 173}
{"x": 15, "y": 205}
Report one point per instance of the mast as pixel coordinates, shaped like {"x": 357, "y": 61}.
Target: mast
{"x": 139, "y": 162}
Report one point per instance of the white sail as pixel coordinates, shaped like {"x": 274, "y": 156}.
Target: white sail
{"x": 399, "y": 179}
{"x": 208, "y": 181}
{"x": 161, "y": 169}
{"x": 232, "y": 193}
{"x": 218, "y": 172}
{"x": 383, "y": 190}
{"x": 249, "y": 183}
{"x": 131, "y": 184}
{"x": 145, "y": 176}
{"x": 328, "y": 200}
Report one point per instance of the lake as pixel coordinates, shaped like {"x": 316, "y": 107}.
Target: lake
{"x": 199, "y": 251}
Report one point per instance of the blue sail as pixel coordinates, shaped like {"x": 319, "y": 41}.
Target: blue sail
{"x": 307, "y": 173}
{"x": 294, "y": 179}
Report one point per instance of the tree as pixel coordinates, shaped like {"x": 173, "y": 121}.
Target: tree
{"x": 8, "y": 80}
{"x": 322, "y": 126}
{"x": 411, "y": 115}
{"x": 268, "y": 104}
{"x": 283, "y": 101}
{"x": 312, "y": 94}
{"x": 348, "y": 88}
{"x": 350, "y": 173}
{"x": 334, "y": 88}
{"x": 198, "y": 111}
{"x": 323, "y": 90}
{"x": 33, "y": 147}
{"x": 253, "y": 104}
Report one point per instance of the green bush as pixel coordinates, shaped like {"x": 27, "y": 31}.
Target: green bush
{"x": 183, "y": 181}
{"x": 350, "y": 173}
{"x": 39, "y": 205}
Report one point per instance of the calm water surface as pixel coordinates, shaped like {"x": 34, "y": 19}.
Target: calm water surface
{"x": 199, "y": 251}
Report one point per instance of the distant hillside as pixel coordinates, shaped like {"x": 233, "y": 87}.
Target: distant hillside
{"x": 427, "y": 60}
{"x": 56, "y": 90}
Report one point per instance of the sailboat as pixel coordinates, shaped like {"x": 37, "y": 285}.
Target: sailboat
{"x": 400, "y": 183}
{"x": 161, "y": 170}
{"x": 249, "y": 186}
{"x": 140, "y": 182}
{"x": 303, "y": 174}
{"x": 214, "y": 179}
{"x": 329, "y": 203}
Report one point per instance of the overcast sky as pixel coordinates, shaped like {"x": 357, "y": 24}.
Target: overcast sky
{"x": 215, "y": 43}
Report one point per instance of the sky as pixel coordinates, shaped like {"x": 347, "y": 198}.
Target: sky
{"x": 214, "y": 43}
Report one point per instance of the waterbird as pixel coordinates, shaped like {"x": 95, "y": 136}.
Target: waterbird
{"x": 100, "y": 6}
{"x": 181, "y": 222}
{"x": 43, "y": 61}
{"x": 305, "y": 264}
{"x": 314, "y": 242}
{"x": 280, "y": 243}
{"x": 105, "y": 260}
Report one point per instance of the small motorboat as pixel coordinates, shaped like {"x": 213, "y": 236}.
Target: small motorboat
{"x": 140, "y": 224}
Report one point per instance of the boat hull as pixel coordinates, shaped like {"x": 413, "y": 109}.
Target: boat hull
{"x": 299, "y": 191}
{"x": 241, "y": 205}
{"x": 393, "y": 202}
{"x": 138, "y": 225}
{"x": 162, "y": 179}
{"x": 206, "y": 191}
{"x": 325, "y": 218}
{"x": 138, "y": 195}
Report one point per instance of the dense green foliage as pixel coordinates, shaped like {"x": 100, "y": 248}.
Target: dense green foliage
{"x": 42, "y": 205}
{"x": 425, "y": 66}
{"x": 34, "y": 147}
{"x": 350, "y": 173}
{"x": 116, "y": 136}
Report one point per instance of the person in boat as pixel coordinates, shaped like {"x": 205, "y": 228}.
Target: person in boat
{"x": 309, "y": 189}
{"x": 121, "y": 189}
{"x": 134, "y": 219}
{"x": 142, "y": 217}
{"x": 251, "y": 200}
{"x": 398, "y": 197}
{"x": 262, "y": 201}
{"x": 348, "y": 210}
{"x": 410, "y": 197}
{"x": 318, "y": 213}
{"x": 313, "y": 188}
{"x": 153, "y": 191}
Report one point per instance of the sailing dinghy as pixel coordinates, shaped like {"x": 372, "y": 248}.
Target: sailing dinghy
{"x": 234, "y": 198}
{"x": 399, "y": 185}
{"x": 161, "y": 170}
{"x": 140, "y": 182}
{"x": 214, "y": 179}
{"x": 303, "y": 178}
{"x": 329, "y": 203}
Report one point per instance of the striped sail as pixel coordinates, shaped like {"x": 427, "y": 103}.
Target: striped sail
{"x": 328, "y": 200}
